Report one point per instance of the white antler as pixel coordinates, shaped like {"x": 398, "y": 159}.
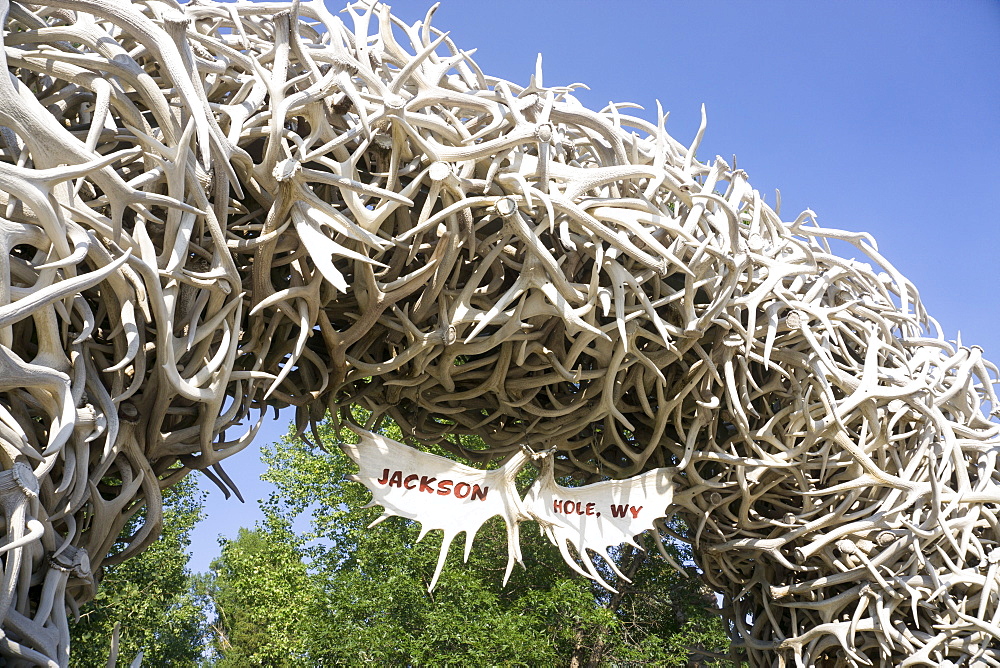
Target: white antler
{"x": 209, "y": 208}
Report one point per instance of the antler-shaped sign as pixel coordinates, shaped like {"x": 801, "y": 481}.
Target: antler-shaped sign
{"x": 598, "y": 516}
{"x": 446, "y": 495}
{"x": 439, "y": 493}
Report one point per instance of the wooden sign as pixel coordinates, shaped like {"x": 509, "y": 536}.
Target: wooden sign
{"x": 442, "y": 494}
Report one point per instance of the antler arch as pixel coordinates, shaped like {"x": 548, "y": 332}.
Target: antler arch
{"x": 214, "y": 208}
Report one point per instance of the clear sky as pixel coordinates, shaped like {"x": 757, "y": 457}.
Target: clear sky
{"x": 880, "y": 116}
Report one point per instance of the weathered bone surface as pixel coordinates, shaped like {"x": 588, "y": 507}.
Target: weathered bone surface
{"x": 210, "y": 209}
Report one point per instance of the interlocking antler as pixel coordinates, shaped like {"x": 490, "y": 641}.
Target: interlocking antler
{"x": 209, "y": 209}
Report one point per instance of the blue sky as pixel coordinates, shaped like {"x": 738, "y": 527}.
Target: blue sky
{"x": 882, "y": 117}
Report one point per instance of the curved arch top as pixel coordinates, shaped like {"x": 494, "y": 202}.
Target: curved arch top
{"x": 214, "y": 208}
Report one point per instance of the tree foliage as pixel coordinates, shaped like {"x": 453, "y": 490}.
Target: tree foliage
{"x": 149, "y": 596}
{"x": 261, "y": 593}
{"x": 335, "y": 592}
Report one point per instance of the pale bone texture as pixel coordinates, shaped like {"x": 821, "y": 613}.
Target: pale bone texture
{"x": 211, "y": 209}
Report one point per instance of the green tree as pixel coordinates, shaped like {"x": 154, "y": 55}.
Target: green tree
{"x": 261, "y": 593}
{"x": 149, "y": 596}
{"x": 339, "y": 593}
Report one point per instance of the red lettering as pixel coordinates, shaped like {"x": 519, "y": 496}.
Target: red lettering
{"x": 425, "y": 484}
{"x": 618, "y": 511}
{"x": 444, "y": 487}
{"x": 410, "y": 478}
{"x": 459, "y": 491}
{"x": 396, "y": 479}
{"x": 385, "y": 477}
{"x": 576, "y": 508}
{"x": 635, "y": 511}
{"x": 479, "y": 492}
